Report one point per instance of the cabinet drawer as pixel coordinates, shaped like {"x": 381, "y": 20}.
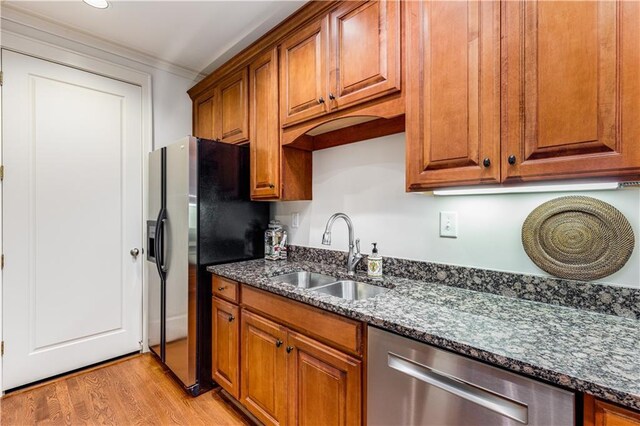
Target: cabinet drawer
{"x": 337, "y": 331}
{"x": 225, "y": 288}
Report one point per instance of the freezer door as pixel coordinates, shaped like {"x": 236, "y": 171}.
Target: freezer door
{"x": 154, "y": 282}
{"x": 180, "y": 259}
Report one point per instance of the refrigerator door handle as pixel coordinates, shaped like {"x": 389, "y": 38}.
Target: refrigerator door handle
{"x": 163, "y": 222}
{"x": 158, "y": 243}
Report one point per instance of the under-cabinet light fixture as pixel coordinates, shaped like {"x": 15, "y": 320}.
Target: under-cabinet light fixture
{"x": 527, "y": 189}
{"x": 99, "y": 4}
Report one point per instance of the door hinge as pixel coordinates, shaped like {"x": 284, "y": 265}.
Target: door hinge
{"x": 1, "y": 173}
{"x": 2, "y": 348}
{"x": 2, "y": 262}
{"x": 1, "y": 78}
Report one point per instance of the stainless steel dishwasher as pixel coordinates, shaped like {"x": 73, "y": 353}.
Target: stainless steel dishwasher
{"x": 411, "y": 383}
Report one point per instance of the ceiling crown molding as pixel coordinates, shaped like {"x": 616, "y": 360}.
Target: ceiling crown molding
{"x": 36, "y": 26}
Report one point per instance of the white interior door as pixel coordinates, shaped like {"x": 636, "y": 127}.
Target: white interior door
{"x": 72, "y": 211}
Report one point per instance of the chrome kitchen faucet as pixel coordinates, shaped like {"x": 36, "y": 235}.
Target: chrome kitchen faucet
{"x": 354, "y": 255}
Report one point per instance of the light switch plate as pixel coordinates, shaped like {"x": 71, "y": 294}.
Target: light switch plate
{"x": 295, "y": 220}
{"x": 449, "y": 224}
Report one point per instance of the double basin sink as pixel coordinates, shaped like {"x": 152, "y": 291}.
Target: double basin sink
{"x": 345, "y": 289}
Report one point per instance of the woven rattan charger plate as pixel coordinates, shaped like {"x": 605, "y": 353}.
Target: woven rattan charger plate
{"x": 578, "y": 238}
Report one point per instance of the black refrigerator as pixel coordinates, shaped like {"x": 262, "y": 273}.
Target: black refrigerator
{"x": 200, "y": 214}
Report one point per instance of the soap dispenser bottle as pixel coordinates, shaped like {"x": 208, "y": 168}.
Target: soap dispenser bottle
{"x": 374, "y": 267}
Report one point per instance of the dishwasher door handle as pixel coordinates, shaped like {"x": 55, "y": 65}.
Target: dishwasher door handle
{"x": 493, "y": 401}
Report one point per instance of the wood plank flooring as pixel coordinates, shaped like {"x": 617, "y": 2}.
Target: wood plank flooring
{"x": 135, "y": 391}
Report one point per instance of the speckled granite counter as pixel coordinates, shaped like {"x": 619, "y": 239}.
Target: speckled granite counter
{"x": 582, "y": 350}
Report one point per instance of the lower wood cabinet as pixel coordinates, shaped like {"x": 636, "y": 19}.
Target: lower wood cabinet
{"x": 601, "y": 413}
{"x": 226, "y": 346}
{"x": 264, "y": 369}
{"x": 265, "y": 357}
{"x": 324, "y": 384}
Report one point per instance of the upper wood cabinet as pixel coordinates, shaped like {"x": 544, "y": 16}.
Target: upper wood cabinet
{"x": 204, "y": 115}
{"x": 222, "y": 112}
{"x": 304, "y": 73}
{"x": 571, "y": 89}
{"x": 347, "y": 57}
{"x": 265, "y": 129}
{"x": 556, "y": 97}
{"x": 364, "y": 52}
{"x": 232, "y": 124}
{"x": 453, "y": 93}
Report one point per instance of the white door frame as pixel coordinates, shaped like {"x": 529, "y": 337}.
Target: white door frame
{"x": 50, "y": 52}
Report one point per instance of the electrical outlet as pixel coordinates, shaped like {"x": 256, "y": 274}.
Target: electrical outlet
{"x": 449, "y": 224}
{"x": 295, "y": 220}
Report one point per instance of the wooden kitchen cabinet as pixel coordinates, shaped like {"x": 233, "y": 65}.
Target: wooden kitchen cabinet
{"x": 264, "y": 368}
{"x": 364, "y": 52}
{"x": 304, "y": 73}
{"x": 265, "y": 127}
{"x": 350, "y": 56}
{"x": 204, "y": 115}
{"x": 601, "y": 413}
{"x": 226, "y": 346}
{"x": 232, "y": 123}
{"x": 571, "y": 96}
{"x": 453, "y": 93}
{"x": 324, "y": 384}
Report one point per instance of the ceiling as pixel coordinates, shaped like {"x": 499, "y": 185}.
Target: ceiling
{"x": 196, "y": 35}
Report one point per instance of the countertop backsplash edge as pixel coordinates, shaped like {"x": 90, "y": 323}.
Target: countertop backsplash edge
{"x": 596, "y": 297}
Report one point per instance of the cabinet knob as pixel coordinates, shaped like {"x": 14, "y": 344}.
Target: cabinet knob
{"x": 221, "y": 288}
{"x": 289, "y": 349}
{"x": 486, "y": 162}
{"x": 231, "y": 318}
{"x": 333, "y": 98}
{"x": 321, "y": 100}
{"x": 512, "y": 159}
{"x": 278, "y": 343}
{"x": 271, "y": 186}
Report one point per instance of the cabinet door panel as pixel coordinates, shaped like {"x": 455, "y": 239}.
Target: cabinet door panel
{"x": 365, "y": 51}
{"x": 324, "y": 384}
{"x": 453, "y": 109}
{"x": 568, "y": 91}
{"x": 225, "y": 346}
{"x": 265, "y": 128}
{"x": 203, "y": 117}
{"x": 303, "y": 73}
{"x": 264, "y": 373}
{"x": 233, "y": 108}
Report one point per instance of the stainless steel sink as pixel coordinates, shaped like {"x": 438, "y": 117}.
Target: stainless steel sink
{"x": 351, "y": 290}
{"x": 304, "y": 279}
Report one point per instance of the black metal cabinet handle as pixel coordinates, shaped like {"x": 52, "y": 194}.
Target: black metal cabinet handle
{"x": 332, "y": 97}
{"x": 320, "y": 100}
{"x": 221, "y": 288}
{"x": 512, "y": 159}
{"x": 289, "y": 349}
{"x": 271, "y": 186}
{"x": 486, "y": 162}
{"x": 278, "y": 343}
{"x": 231, "y": 318}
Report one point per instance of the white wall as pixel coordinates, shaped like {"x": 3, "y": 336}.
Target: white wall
{"x": 171, "y": 107}
{"x": 366, "y": 181}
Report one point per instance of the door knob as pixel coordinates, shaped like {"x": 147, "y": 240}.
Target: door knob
{"x": 134, "y": 253}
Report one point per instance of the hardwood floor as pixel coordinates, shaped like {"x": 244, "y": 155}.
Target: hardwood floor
{"x": 135, "y": 391}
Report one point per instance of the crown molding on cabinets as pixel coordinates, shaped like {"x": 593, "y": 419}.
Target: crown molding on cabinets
{"x": 41, "y": 28}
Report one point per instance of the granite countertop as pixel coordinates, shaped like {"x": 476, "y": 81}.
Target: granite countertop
{"x": 586, "y": 351}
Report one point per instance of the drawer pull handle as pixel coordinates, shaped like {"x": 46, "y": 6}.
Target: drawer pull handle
{"x": 493, "y": 401}
{"x": 222, "y": 288}
{"x": 278, "y": 343}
